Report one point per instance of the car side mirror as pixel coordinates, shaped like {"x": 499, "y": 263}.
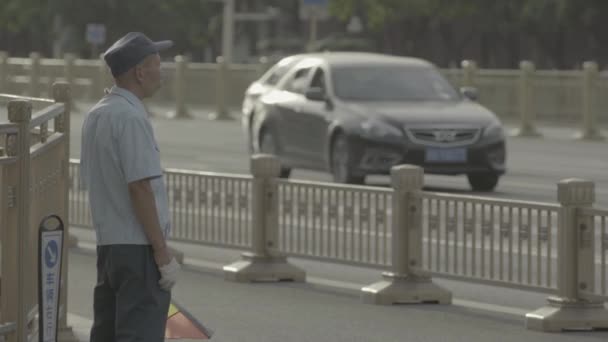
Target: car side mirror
{"x": 470, "y": 93}
{"x": 316, "y": 94}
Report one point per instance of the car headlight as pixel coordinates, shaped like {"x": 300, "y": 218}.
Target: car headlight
{"x": 379, "y": 129}
{"x": 494, "y": 130}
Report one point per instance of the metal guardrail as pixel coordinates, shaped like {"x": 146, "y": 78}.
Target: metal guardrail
{"x": 503, "y": 242}
{"x": 494, "y": 241}
{"x": 596, "y": 221}
{"x": 410, "y": 232}
{"x": 328, "y": 221}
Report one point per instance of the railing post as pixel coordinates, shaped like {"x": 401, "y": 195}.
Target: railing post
{"x": 69, "y": 60}
{"x": 264, "y": 262}
{"x": 34, "y": 90}
{"x": 406, "y": 282}
{"x": 3, "y": 72}
{"x": 526, "y": 101}
{"x": 569, "y": 309}
{"x": 179, "y": 89}
{"x": 469, "y": 72}
{"x": 263, "y": 66}
{"x": 102, "y": 79}
{"x": 589, "y": 127}
{"x": 62, "y": 94}
{"x": 20, "y": 113}
{"x": 222, "y": 84}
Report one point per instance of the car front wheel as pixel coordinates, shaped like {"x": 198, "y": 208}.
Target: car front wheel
{"x": 485, "y": 181}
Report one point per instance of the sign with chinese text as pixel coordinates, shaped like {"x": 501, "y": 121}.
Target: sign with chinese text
{"x": 50, "y": 243}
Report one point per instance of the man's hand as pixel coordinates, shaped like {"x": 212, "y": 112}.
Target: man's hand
{"x": 168, "y": 274}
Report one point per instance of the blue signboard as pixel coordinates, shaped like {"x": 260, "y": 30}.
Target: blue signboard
{"x": 50, "y": 242}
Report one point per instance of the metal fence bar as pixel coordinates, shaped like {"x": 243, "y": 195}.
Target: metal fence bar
{"x": 604, "y": 247}
{"x": 474, "y": 227}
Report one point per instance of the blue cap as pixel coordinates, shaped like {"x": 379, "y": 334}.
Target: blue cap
{"x": 131, "y": 49}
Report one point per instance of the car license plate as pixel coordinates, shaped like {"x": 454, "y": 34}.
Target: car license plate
{"x": 446, "y": 155}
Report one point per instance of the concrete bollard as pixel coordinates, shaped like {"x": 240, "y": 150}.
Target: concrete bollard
{"x": 263, "y": 66}
{"x": 4, "y": 72}
{"x": 264, "y": 262}
{"x": 34, "y": 88}
{"x": 406, "y": 282}
{"x": 179, "y": 90}
{"x": 589, "y": 110}
{"x": 69, "y": 60}
{"x": 103, "y": 79}
{"x": 526, "y": 101}
{"x": 222, "y": 85}
{"x": 469, "y": 71}
{"x": 571, "y": 308}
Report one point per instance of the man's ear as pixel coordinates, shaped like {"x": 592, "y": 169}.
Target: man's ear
{"x": 139, "y": 73}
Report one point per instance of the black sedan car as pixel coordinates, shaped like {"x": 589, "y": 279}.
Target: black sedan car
{"x": 359, "y": 114}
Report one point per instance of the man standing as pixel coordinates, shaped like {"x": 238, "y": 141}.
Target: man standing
{"x": 120, "y": 167}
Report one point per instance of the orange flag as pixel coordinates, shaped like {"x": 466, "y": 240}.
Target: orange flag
{"x": 181, "y": 324}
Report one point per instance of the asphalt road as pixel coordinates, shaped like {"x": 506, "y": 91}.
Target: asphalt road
{"x": 535, "y": 165}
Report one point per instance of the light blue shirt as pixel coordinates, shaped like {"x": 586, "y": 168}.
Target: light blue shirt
{"x": 119, "y": 147}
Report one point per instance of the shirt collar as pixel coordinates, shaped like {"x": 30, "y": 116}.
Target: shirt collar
{"x": 129, "y": 96}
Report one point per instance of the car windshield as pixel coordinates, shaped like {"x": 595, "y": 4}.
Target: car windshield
{"x": 391, "y": 83}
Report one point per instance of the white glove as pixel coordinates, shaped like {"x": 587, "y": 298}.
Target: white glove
{"x": 168, "y": 275}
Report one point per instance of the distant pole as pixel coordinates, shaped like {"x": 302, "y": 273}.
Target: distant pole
{"x": 228, "y": 31}
{"x": 313, "y": 28}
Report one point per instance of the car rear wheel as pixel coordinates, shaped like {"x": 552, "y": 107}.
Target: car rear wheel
{"x": 485, "y": 181}
{"x": 341, "y": 162}
{"x": 269, "y": 145}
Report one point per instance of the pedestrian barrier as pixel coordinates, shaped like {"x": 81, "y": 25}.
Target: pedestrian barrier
{"x": 409, "y": 234}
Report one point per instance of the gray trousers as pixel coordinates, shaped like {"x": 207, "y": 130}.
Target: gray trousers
{"x": 128, "y": 303}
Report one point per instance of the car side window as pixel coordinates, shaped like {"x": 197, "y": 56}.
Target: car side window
{"x": 278, "y": 71}
{"x": 318, "y": 80}
{"x": 298, "y": 82}
{"x": 276, "y": 75}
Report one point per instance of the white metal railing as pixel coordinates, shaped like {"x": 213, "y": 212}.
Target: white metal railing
{"x": 329, "y": 221}
{"x": 413, "y": 234}
{"x": 595, "y": 233}
{"x": 210, "y": 208}
{"x": 506, "y": 242}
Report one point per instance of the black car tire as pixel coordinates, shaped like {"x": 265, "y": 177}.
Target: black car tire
{"x": 268, "y": 145}
{"x": 341, "y": 162}
{"x": 485, "y": 181}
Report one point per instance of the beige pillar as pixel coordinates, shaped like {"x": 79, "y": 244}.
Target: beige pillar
{"x": 469, "y": 71}
{"x": 103, "y": 79}
{"x": 406, "y": 282}
{"x": 264, "y": 262}
{"x": 526, "y": 101}
{"x": 222, "y": 111}
{"x": 34, "y": 89}
{"x": 263, "y": 66}
{"x": 589, "y": 127}
{"x": 179, "y": 89}
{"x": 4, "y": 72}
{"x": 69, "y": 60}
{"x": 20, "y": 113}
{"x": 575, "y": 257}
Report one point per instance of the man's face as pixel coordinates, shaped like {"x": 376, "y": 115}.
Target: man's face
{"x": 149, "y": 74}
